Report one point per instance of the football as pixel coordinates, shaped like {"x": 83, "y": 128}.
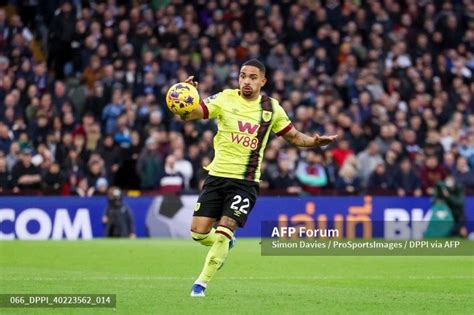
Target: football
{"x": 182, "y": 98}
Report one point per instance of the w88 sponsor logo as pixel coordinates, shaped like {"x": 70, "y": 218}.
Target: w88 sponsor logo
{"x": 245, "y": 141}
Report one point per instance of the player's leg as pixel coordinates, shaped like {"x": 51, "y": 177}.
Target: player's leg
{"x": 207, "y": 210}
{"x": 239, "y": 199}
{"x": 217, "y": 254}
{"x": 238, "y": 203}
{"x": 202, "y": 230}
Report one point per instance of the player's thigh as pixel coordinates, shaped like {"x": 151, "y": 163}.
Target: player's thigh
{"x": 229, "y": 223}
{"x": 209, "y": 205}
{"x": 202, "y": 224}
{"x": 239, "y": 201}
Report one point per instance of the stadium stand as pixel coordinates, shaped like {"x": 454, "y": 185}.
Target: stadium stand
{"x": 82, "y": 87}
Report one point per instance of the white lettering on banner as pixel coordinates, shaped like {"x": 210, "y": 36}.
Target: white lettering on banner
{"x": 419, "y": 223}
{"x": 7, "y": 215}
{"x": 62, "y": 227}
{"x": 33, "y": 214}
{"x": 399, "y": 225}
{"x": 72, "y": 230}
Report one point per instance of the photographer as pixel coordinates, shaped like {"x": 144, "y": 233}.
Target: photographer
{"x": 118, "y": 217}
{"x": 451, "y": 193}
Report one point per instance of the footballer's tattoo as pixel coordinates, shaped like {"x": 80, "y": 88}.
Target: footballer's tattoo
{"x": 228, "y": 222}
{"x": 302, "y": 140}
{"x": 299, "y": 139}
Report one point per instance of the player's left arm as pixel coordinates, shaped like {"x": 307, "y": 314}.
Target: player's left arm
{"x": 282, "y": 126}
{"x": 300, "y": 139}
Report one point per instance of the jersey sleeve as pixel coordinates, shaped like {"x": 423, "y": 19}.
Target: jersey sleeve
{"x": 210, "y": 106}
{"x": 281, "y": 122}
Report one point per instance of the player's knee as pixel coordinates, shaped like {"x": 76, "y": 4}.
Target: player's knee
{"x": 199, "y": 237}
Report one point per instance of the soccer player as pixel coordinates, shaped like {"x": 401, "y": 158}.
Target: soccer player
{"x": 245, "y": 119}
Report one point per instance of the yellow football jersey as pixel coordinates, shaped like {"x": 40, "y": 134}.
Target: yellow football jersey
{"x": 243, "y": 131}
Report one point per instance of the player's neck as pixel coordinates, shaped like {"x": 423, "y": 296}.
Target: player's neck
{"x": 250, "y": 98}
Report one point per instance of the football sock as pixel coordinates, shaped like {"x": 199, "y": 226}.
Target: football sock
{"x": 217, "y": 254}
{"x": 205, "y": 239}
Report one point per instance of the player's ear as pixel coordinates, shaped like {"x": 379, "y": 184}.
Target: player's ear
{"x": 264, "y": 80}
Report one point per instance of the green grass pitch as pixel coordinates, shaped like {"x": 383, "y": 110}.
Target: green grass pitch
{"x": 155, "y": 277}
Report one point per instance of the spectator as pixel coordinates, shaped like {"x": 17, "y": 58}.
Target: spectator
{"x": 6, "y": 137}
{"x": 101, "y": 186}
{"x": 202, "y": 172}
{"x": 405, "y": 180}
{"x": 466, "y": 147}
{"x": 431, "y": 173}
{"x": 173, "y": 180}
{"x": 391, "y": 160}
{"x": 53, "y": 180}
{"x": 112, "y": 111}
{"x": 60, "y": 36}
{"x": 13, "y": 155}
{"x": 463, "y": 174}
{"x": 386, "y": 137}
{"x": 379, "y": 179}
{"x": 184, "y": 167}
{"x": 92, "y": 74}
{"x": 5, "y": 176}
{"x": 368, "y": 161}
{"x": 342, "y": 151}
{"x": 59, "y": 96}
{"x": 123, "y": 134}
{"x": 358, "y": 141}
{"x": 111, "y": 153}
{"x": 285, "y": 179}
{"x": 311, "y": 173}
{"x": 347, "y": 181}
{"x": 149, "y": 165}
{"x": 83, "y": 189}
{"x": 433, "y": 145}
{"x": 25, "y": 175}
{"x": 95, "y": 171}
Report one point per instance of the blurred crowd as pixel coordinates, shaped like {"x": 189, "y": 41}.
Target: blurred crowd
{"x": 82, "y": 87}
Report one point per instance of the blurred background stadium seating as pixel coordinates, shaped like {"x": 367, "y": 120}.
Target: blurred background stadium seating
{"x": 82, "y": 87}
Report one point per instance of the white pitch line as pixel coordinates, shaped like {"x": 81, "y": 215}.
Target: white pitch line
{"x": 164, "y": 278}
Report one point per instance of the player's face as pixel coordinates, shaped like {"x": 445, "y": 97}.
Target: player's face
{"x": 251, "y": 81}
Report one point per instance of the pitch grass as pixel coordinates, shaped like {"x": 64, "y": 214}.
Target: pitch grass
{"x": 155, "y": 277}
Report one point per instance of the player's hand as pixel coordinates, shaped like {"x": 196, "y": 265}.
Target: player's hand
{"x": 191, "y": 81}
{"x": 324, "y": 140}
{"x": 184, "y": 117}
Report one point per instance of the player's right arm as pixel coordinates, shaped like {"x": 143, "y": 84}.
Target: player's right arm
{"x": 209, "y": 108}
{"x": 198, "y": 113}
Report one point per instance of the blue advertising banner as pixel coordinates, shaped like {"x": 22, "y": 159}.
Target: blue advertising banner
{"x": 61, "y": 217}
{"x": 170, "y": 216}
{"x": 361, "y": 216}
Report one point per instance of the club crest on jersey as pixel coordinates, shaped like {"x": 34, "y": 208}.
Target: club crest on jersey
{"x": 266, "y": 115}
{"x": 208, "y": 99}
